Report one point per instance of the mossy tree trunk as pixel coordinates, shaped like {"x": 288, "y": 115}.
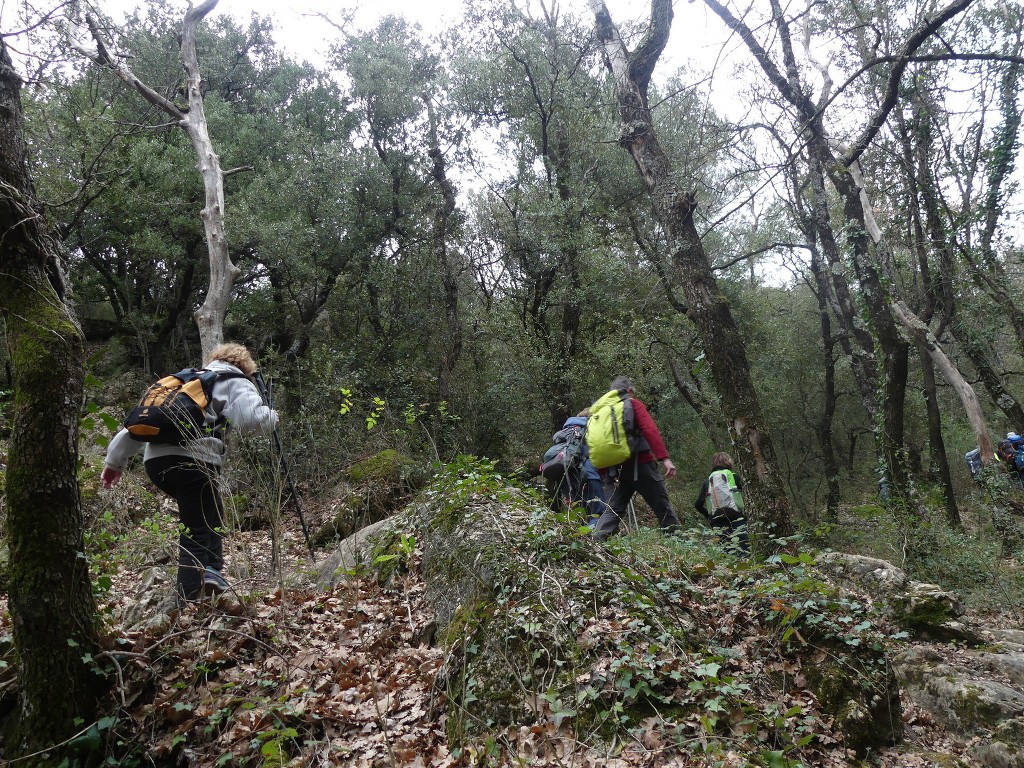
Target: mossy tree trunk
{"x": 708, "y": 307}
{"x": 52, "y": 609}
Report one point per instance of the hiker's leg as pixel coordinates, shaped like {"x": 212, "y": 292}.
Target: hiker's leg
{"x": 608, "y": 523}
{"x": 193, "y": 487}
{"x": 202, "y": 512}
{"x": 731, "y": 527}
{"x": 721, "y": 525}
{"x": 167, "y": 474}
{"x": 576, "y": 500}
{"x": 651, "y": 485}
{"x": 738, "y": 536}
{"x": 595, "y": 499}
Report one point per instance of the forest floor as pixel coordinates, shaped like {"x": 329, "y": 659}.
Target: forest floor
{"x": 274, "y": 675}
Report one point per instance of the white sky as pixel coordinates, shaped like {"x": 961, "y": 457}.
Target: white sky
{"x": 696, "y": 34}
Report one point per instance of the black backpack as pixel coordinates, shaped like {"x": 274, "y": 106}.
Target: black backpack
{"x": 173, "y": 410}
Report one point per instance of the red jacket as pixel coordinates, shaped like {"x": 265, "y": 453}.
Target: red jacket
{"x": 645, "y": 423}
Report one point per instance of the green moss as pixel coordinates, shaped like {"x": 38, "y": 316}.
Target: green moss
{"x": 868, "y": 511}
{"x": 388, "y": 465}
{"x": 970, "y": 707}
{"x": 239, "y": 503}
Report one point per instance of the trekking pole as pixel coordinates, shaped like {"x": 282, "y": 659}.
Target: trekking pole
{"x": 634, "y": 524}
{"x": 268, "y": 400}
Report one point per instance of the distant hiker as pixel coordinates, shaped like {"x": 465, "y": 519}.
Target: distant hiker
{"x": 1011, "y": 451}
{"x": 588, "y": 486}
{"x": 570, "y": 476}
{"x": 188, "y": 470}
{"x": 620, "y": 418}
{"x": 721, "y": 501}
{"x": 974, "y": 465}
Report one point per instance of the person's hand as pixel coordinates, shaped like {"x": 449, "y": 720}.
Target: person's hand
{"x": 110, "y": 477}
{"x": 670, "y": 469}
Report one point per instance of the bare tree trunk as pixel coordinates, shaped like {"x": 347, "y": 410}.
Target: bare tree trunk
{"x": 841, "y": 169}
{"x": 937, "y": 445}
{"x": 951, "y": 373}
{"x": 824, "y": 426}
{"x": 938, "y": 290}
{"x": 52, "y": 609}
{"x": 223, "y": 272}
{"x": 980, "y": 355}
{"x": 692, "y": 392}
{"x": 452, "y": 344}
{"x": 707, "y": 306}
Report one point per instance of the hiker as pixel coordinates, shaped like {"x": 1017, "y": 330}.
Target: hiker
{"x": 721, "y": 501}
{"x": 639, "y": 473}
{"x": 585, "y": 482}
{"x": 974, "y": 465}
{"x": 188, "y": 471}
{"x": 1011, "y": 451}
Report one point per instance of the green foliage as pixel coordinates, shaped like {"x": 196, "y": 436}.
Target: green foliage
{"x": 607, "y": 639}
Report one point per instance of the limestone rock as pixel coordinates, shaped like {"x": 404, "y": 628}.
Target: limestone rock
{"x": 958, "y": 699}
{"x": 374, "y": 488}
{"x": 356, "y": 550}
{"x": 154, "y": 602}
{"x": 865, "y": 574}
{"x": 923, "y": 610}
{"x": 1005, "y": 749}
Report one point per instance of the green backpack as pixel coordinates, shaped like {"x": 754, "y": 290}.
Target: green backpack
{"x": 611, "y": 429}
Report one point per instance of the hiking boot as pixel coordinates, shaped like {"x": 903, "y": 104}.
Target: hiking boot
{"x": 213, "y": 582}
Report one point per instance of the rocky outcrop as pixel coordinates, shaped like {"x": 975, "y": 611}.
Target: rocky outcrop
{"x": 969, "y": 678}
{"x": 372, "y": 490}
{"x": 922, "y": 610}
{"x": 358, "y": 550}
{"x": 537, "y": 618}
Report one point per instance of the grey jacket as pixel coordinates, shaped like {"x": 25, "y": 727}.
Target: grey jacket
{"x": 237, "y": 400}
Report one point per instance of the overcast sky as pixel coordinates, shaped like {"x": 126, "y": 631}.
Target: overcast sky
{"x": 695, "y": 34}
{"x": 697, "y": 39}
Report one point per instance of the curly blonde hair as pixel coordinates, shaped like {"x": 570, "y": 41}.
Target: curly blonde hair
{"x": 236, "y": 355}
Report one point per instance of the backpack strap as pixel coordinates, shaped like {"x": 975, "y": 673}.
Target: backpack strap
{"x": 209, "y": 378}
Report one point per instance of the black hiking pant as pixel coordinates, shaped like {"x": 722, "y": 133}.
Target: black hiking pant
{"x": 650, "y": 484}
{"x": 193, "y": 485}
{"x": 576, "y": 488}
{"x": 731, "y": 526}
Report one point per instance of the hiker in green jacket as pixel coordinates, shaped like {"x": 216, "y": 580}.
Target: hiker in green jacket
{"x": 721, "y": 501}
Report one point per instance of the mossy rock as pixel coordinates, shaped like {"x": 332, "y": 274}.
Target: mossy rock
{"x": 857, "y": 687}
{"x": 1005, "y": 749}
{"x": 955, "y": 697}
{"x": 378, "y": 486}
{"x": 357, "y": 552}
{"x": 985, "y": 703}
{"x": 354, "y": 511}
{"x": 390, "y": 467}
{"x": 342, "y": 525}
{"x": 504, "y": 577}
{"x": 928, "y": 611}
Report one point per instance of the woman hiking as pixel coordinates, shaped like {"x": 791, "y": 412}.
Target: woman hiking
{"x": 188, "y": 472}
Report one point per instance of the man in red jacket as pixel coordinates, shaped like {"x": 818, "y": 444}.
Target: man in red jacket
{"x": 640, "y": 474}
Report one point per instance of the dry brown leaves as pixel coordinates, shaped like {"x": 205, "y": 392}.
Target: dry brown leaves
{"x": 299, "y": 678}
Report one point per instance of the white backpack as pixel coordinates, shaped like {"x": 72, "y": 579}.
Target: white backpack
{"x": 723, "y": 492}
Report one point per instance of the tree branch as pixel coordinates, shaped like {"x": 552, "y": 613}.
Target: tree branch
{"x": 927, "y": 29}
